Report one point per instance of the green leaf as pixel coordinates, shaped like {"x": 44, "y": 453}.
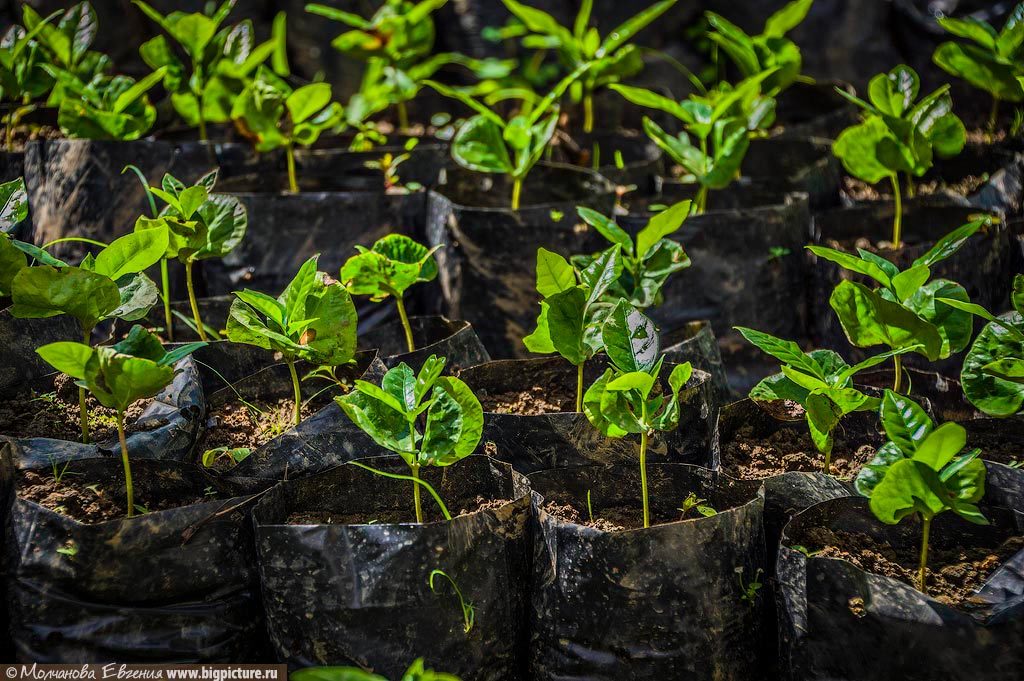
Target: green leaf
{"x": 607, "y": 227}
{"x": 479, "y": 146}
{"x": 538, "y": 21}
{"x": 132, "y": 253}
{"x": 308, "y": 100}
{"x": 472, "y": 418}
{"x": 972, "y": 29}
{"x": 786, "y": 19}
{"x": 138, "y": 294}
{"x": 630, "y": 338}
{"x": 385, "y": 425}
{"x": 822, "y": 417}
{"x": 540, "y": 340}
{"x": 991, "y": 393}
{"x": 859, "y": 150}
{"x": 906, "y": 424}
{"x": 67, "y": 357}
{"x": 400, "y": 383}
{"x": 566, "y": 320}
{"x": 787, "y": 352}
{"x": 652, "y": 100}
{"x": 907, "y": 283}
{"x": 601, "y": 273}
{"x": 1008, "y": 369}
{"x": 853, "y": 263}
{"x": 12, "y": 261}
{"x": 554, "y": 273}
{"x": 662, "y": 225}
{"x": 941, "y": 445}
{"x": 954, "y": 326}
{"x": 331, "y": 338}
{"x": 629, "y": 28}
{"x": 949, "y": 244}
{"x": 444, "y": 424}
{"x": 47, "y": 291}
{"x": 872, "y": 473}
{"x": 868, "y": 319}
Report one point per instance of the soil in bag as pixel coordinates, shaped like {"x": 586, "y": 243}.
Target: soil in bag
{"x": 626, "y": 157}
{"x": 796, "y": 164}
{"x": 530, "y": 419}
{"x": 176, "y": 584}
{"x": 850, "y": 607}
{"x": 695, "y": 342}
{"x": 806, "y": 110}
{"x": 365, "y": 597}
{"x": 488, "y": 251}
{"x": 454, "y": 340}
{"x": 684, "y": 592}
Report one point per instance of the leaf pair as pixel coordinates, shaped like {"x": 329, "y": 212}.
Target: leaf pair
{"x": 15, "y": 255}
{"x": 647, "y": 262}
{"x": 899, "y": 134}
{"x": 573, "y": 311}
{"x": 921, "y": 469}
{"x": 820, "y": 381}
{"x": 991, "y": 60}
{"x": 311, "y": 320}
{"x": 273, "y": 114}
{"x": 416, "y": 672}
{"x": 105, "y": 107}
{"x": 133, "y": 369}
{"x": 22, "y": 76}
{"x": 426, "y": 418}
{"x": 907, "y": 310}
{"x": 389, "y": 268}
{"x": 66, "y": 44}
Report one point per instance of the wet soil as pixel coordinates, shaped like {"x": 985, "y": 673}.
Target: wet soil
{"x": 390, "y": 517}
{"x": 234, "y": 425}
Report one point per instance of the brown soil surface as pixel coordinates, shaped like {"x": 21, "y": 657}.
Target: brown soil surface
{"x": 607, "y": 523}
{"x": 86, "y": 501}
{"x": 789, "y": 449}
{"x": 56, "y": 415}
{"x": 431, "y": 513}
{"x": 954, "y": 575}
{"x": 234, "y": 425}
{"x": 858, "y": 190}
{"x": 539, "y": 399}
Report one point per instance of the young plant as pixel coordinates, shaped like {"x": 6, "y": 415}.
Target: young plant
{"x": 899, "y": 134}
{"x": 109, "y": 285}
{"x": 921, "y": 471}
{"x": 22, "y": 77}
{"x": 468, "y": 611}
{"x": 273, "y": 115}
{"x": 993, "y": 372}
{"x": 416, "y": 672}
{"x": 769, "y": 50}
{"x": 200, "y": 225}
{"x": 648, "y": 261}
{"x": 426, "y": 418}
{"x": 820, "y": 381}
{"x": 106, "y": 107}
{"x": 389, "y": 268}
{"x": 311, "y": 320}
{"x": 396, "y": 44}
{"x": 487, "y": 143}
{"x": 691, "y": 502}
{"x": 133, "y": 369}
{"x": 573, "y": 311}
{"x": 991, "y": 61}
{"x": 66, "y": 44}
{"x": 220, "y": 61}
{"x": 612, "y": 59}
{"x": 620, "y": 402}
{"x": 16, "y": 255}
{"x": 906, "y": 311}
{"x": 720, "y": 122}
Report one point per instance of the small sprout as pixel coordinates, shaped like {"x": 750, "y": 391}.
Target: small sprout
{"x": 750, "y": 590}
{"x": 209, "y": 491}
{"x": 778, "y": 253}
{"x": 140, "y": 509}
{"x": 556, "y": 215}
{"x": 590, "y": 508}
{"x": 921, "y": 471}
{"x": 59, "y": 471}
{"x": 468, "y": 611}
{"x": 392, "y": 265}
{"x": 620, "y": 162}
{"x": 1016, "y": 464}
{"x": 693, "y": 502}
{"x": 232, "y": 455}
{"x": 311, "y": 320}
{"x": 95, "y": 489}
{"x": 426, "y": 418}
{"x": 70, "y": 549}
{"x": 804, "y": 550}
{"x": 388, "y": 165}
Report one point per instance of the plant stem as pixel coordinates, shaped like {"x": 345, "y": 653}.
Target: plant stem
{"x": 398, "y": 476}
{"x": 643, "y": 476}
{"x": 701, "y": 202}
{"x": 126, "y": 464}
{"x": 165, "y": 282}
{"x": 579, "y": 387}
{"x": 192, "y": 300}
{"x": 926, "y": 527}
{"x": 297, "y": 411}
{"x": 897, "y": 383}
{"x": 9, "y": 134}
{"x": 293, "y": 183}
{"x": 588, "y": 112}
{"x": 416, "y": 492}
{"x": 517, "y": 190}
{"x": 82, "y": 407}
{"x": 897, "y": 218}
{"x": 400, "y": 304}
{"x": 910, "y": 186}
{"x": 993, "y": 118}
{"x": 403, "y": 116}
{"x": 828, "y": 463}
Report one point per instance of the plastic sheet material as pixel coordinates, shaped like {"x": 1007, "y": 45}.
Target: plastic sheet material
{"x": 695, "y": 342}
{"x": 664, "y": 602}
{"x": 566, "y": 439}
{"x": 813, "y": 109}
{"x": 172, "y": 586}
{"x": 839, "y": 622}
{"x": 486, "y": 263}
{"x": 625, "y": 157}
{"x": 359, "y": 593}
{"x": 454, "y": 340}
{"x": 796, "y": 164}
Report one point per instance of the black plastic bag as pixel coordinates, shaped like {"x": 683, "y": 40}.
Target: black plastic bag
{"x": 603, "y": 150}
{"x": 695, "y": 342}
{"x": 454, "y": 340}
{"x": 840, "y": 622}
{"x": 566, "y": 439}
{"x": 796, "y": 164}
{"x": 172, "y": 586}
{"x": 12, "y": 165}
{"x": 664, "y": 602}
{"x": 805, "y": 110}
{"x": 359, "y": 593}
{"x": 488, "y": 252}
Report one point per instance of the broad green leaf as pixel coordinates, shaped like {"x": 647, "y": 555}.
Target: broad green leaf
{"x": 652, "y": 100}
{"x": 607, "y": 228}
{"x": 853, "y": 263}
{"x": 630, "y": 339}
{"x": 949, "y": 244}
{"x": 629, "y": 28}
{"x": 872, "y": 473}
{"x": 540, "y": 340}
{"x": 47, "y": 291}
{"x": 385, "y": 426}
{"x": 308, "y": 100}
{"x": 991, "y": 393}
{"x": 67, "y": 357}
{"x": 566, "y": 319}
{"x": 601, "y": 273}
{"x": 138, "y": 294}
{"x": 954, "y": 326}
{"x": 906, "y": 283}
{"x": 868, "y": 320}
{"x": 479, "y": 146}
{"x": 859, "y": 149}
{"x": 905, "y": 422}
{"x": 132, "y": 253}
{"x": 554, "y": 273}
{"x": 941, "y": 445}
{"x": 661, "y": 225}
{"x": 472, "y": 418}
{"x": 787, "y": 352}
{"x": 400, "y": 383}
{"x": 908, "y": 487}
{"x": 444, "y": 425}
{"x": 786, "y": 19}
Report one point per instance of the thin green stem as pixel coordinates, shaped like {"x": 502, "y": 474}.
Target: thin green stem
{"x": 165, "y": 282}
{"x": 897, "y": 383}
{"x": 897, "y": 218}
{"x": 910, "y": 186}
{"x": 9, "y": 134}
{"x": 588, "y": 112}
{"x": 993, "y": 118}
{"x": 297, "y": 409}
{"x": 409, "y": 341}
{"x": 579, "y": 387}
{"x": 700, "y": 204}
{"x": 926, "y": 527}
{"x": 643, "y": 464}
{"x": 82, "y": 406}
{"x": 517, "y": 190}
{"x": 398, "y": 476}
{"x": 293, "y": 183}
{"x": 828, "y": 462}
{"x": 403, "y": 116}
{"x": 415, "y": 468}
{"x": 193, "y": 302}
{"x": 126, "y": 464}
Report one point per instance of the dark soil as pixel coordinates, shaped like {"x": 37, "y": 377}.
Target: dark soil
{"x": 539, "y": 399}
{"x": 617, "y": 518}
{"x": 953, "y": 576}
{"x": 235, "y": 425}
{"x": 56, "y": 415}
{"x": 997, "y": 449}
{"x": 431, "y": 513}
{"x": 858, "y": 190}
{"x": 790, "y": 449}
{"x": 87, "y": 501}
